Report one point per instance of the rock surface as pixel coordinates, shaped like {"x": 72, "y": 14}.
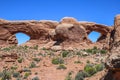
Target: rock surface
{"x": 113, "y": 60}
{"x": 67, "y": 33}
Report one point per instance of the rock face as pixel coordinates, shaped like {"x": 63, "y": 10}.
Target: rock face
{"x": 113, "y": 60}
{"x": 70, "y": 32}
{"x": 67, "y": 32}
{"x": 36, "y": 30}
{"x": 117, "y": 28}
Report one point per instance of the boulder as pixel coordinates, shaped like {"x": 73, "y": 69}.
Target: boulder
{"x": 70, "y": 32}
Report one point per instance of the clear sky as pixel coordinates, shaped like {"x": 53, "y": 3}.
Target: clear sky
{"x": 99, "y": 11}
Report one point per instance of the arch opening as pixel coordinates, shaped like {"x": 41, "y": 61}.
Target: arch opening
{"x": 93, "y": 36}
{"x": 22, "y": 37}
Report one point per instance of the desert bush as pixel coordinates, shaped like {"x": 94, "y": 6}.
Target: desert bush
{"x": 26, "y": 70}
{"x": 20, "y": 60}
{"x": 25, "y": 47}
{"x": 36, "y": 59}
{"x": 61, "y": 66}
{"x": 81, "y": 75}
{"x": 69, "y": 77}
{"x": 65, "y": 53}
{"x": 78, "y": 53}
{"x": 14, "y": 67}
{"x": 44, "y": 48}
{"x": 16, "y": 74}
{"x": 1, "y": 73}
{"x": 57, "y": 61}
{"x": 32, "y": 65}
{"x": 88, "y": 50}
{"x": 35, "y": 47}
{"x": 99, "y": 67}
{"x": 19, "y": 79}
{"x": 78, "y": 62}
{"x": 6, "y": 49}
{"x": 26, "y": 75}
{"x": 6, "y": 75}
{"x": 90, "y": 69}
{"x": 43, "y": 55}
{"x": 103, "y": 51}
{"x": 94, "y": 50}
{"x": 87, "y": 61}
{"x": 35, "y": 78}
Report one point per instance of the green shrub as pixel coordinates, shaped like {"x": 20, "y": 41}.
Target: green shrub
{"x": 6, "y": 75}
{"x": 65, "y": 53}
{"x": 36, "y": 59}
{"x": 103, "y": 51}
{"x": 81, "y": 75}
{"x": 1, "y": 74}
{"x": 57, "y": 61}
{"x": 44, "y": 48}
{"x": 14, "y": 67}
{"x": 94, "y": 48}
{"x": 6, "y": 49}
{"x": 99, "y": 67}
{"x": 26, "y": 75}
{"x": 89, "y": 50}
{"x": 87, "y": 61}
{"x": 68, "y": 77}
{"x": 16, "y": 74}
{"x": 61, "y": 66}
{"x": 19, "y": 79}
{"x": 90, "y": 69}
{"x": 25, "y": 47}
{"x": 78, "y": 62}
{"x": 78, "y": 53}
{"x": 32, "y": 65}
{"x": 20, "y": 60}
{"x": 35, "y": 78}
{"x": 95, "y": 51}
{"x": 36, "y": 47}
{"x": 26, "y": 70}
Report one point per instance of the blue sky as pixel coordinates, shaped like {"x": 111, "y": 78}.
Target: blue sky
{"x": 99, "y": 11}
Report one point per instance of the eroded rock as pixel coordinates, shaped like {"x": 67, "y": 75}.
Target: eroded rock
{"x": 68, "y": 32}
{"x": 113, "y": 60}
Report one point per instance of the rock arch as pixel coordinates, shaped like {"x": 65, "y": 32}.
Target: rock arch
{"x": 35, "y": 29}
{"x": 102, "y": 29}
{"x": 69, "y": 30}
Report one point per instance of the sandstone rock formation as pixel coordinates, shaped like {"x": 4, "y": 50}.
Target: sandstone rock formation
{"x": 36, "y": 30}
{"x": 67, "y": 33}
{"x": 113, "y": 60}
{"x": 117, "y": 28}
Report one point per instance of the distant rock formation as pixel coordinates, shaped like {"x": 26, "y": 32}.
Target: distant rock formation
{"x": 67, "y": 33}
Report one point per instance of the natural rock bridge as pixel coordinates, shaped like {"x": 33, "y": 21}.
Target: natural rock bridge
{"x": 68, "y": 30}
